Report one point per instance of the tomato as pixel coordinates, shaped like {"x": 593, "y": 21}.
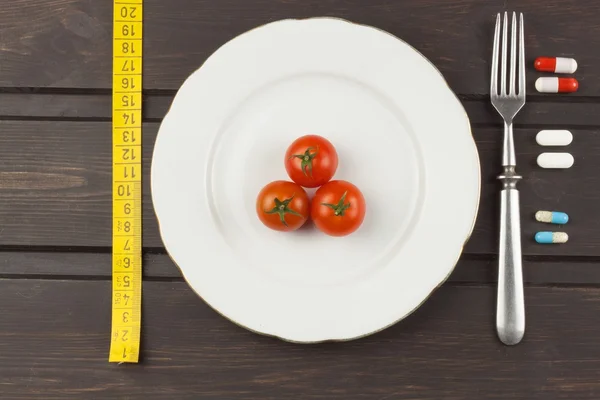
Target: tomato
{"x": 338, "y": 208}
{"x": 311, "y": 161}
{"x": 283, "y": 206}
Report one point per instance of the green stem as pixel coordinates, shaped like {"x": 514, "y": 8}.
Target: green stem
{"x": 340, "y": 208}
{"x": 282, "y": 208}
{"x": 307, "y": 160}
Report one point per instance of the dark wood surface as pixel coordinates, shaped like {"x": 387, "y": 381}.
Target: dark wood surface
{"x": 55, "y": 174}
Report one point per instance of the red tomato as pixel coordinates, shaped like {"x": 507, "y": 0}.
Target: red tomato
{"x": 283, "y": 206}
{"x": 338, "y": 208}
{"x": 311, "y": 161}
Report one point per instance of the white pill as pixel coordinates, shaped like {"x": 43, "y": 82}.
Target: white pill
{"x": 555, "y": 160}
{"x": 554, "y": 137}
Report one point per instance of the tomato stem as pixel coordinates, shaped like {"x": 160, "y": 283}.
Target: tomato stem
{"x": 340, "y": 208}
{"x": 282, "y": 208}
{"x": 307, "y": 160}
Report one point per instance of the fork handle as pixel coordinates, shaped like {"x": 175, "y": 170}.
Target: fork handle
{"x": 510, "y": 313}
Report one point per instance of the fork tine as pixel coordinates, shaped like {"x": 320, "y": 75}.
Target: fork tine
{"x": 504, "y": 55}
{"x": 494, "y": 80}
{"x": 513, "y": 54}
{"x": 521, "y": 56}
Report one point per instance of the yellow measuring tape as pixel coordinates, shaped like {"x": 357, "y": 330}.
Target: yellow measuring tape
{"x": 127, "y": 181}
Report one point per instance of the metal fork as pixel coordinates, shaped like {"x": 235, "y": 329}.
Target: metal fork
{"x": 510, "y": 313}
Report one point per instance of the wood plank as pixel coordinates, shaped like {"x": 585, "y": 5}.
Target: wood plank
{"x": 54, "y": 340}
{"x": 55, "y": 179}
{"x": 67, "y": 43}
{"x": 70, "y": 264}
{"x": 74, "y": 106}
{"x": 481, "y": 270}
{"x": 563, "y": 111}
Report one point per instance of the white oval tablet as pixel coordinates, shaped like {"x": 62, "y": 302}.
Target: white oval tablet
{"x": 554, "y": 137}
{"x": 555, "y": 160}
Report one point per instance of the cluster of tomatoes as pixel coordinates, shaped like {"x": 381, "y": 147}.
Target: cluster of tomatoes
{"x": 338, "y": 207}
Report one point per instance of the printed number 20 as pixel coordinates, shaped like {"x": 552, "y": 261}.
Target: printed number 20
{"x": 128, "y": 12}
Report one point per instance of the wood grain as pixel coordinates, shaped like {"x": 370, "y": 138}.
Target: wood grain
{"x": 581, "y": 272}
{"x": 55, "y": 177}
{"x": 447, "y": 349}
{"x": 55, "y": 174}
{"x": 67, "y": 43}
{"x": 559, "y": 112}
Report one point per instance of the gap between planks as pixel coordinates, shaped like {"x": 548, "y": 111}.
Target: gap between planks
{"x": 470, "y": 270}
{"x": 57, "y": 105}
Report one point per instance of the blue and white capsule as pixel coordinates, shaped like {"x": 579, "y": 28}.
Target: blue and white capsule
{"x": 551, "y": 237}
{"x": 552, "y": 217}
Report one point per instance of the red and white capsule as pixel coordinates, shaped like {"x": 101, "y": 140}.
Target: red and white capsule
{"x": 556, "y": 85}
{"x": 559, "y": 65}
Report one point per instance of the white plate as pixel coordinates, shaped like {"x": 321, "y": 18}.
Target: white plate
{"x": 402, "y": 137}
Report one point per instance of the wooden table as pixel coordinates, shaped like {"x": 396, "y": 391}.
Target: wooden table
{"x": 55, "y": 218}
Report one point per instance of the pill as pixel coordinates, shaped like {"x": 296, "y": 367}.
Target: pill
{"x": 551, "y": 237}
{"x": 556, "y": 85}
{"x": 555, "y": 160}
{"x": 552, "y": 217}
{"x": 554, "y": 137}
{"x": 560, "y": 65}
